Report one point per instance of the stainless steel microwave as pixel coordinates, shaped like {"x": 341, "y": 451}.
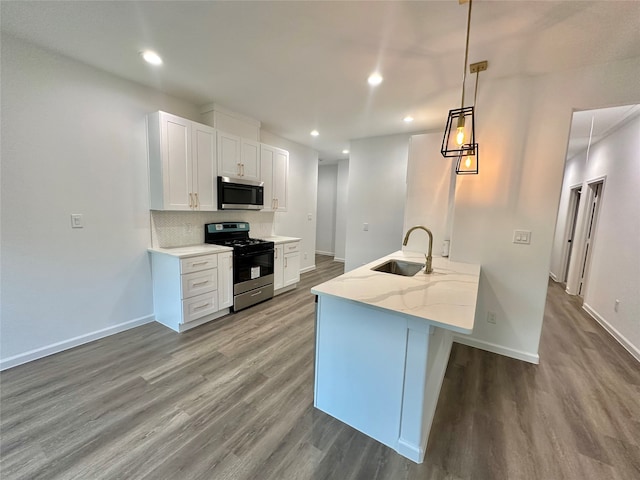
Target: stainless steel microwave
{"x": 237, "y": 194}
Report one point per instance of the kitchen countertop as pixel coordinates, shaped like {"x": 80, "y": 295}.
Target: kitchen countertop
{"x": 446, "y": 298}
{"x": 191, "y": 250}
{"x": 279, "y": 239}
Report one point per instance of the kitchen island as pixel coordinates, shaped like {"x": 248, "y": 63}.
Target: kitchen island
{"x": 382, "y": 346}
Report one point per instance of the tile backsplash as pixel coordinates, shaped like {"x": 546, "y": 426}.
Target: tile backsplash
{"x": 178, "y": 229}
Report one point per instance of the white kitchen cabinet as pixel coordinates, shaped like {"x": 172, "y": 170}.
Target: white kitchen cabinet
{"x": 238, "y": 157}
{"x": 286, "y": 266}
{"x": 190, "y": 291}
{"x": 274, "y": 169}
{"x": 182, "y": 163}
{"x": 225, "y": 279}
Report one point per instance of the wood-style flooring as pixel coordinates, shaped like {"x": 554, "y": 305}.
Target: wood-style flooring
{"x": 232, "y": 399}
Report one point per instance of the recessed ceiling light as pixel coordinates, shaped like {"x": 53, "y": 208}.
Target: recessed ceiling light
{"x": 315, "y": 133}
{"x": 407, "y": 119}
{"x": 151, "y": 57}
{"x": 345, "y": 151}
{"x": 375, "y": 79}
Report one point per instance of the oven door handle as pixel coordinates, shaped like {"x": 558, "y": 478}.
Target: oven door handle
{"x": 254, "y": 254}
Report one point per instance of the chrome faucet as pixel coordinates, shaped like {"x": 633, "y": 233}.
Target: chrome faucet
{"x": 428, "y": 268}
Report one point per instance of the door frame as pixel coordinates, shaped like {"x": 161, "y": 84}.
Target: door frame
{"x": 570, "y": 230}
{"x": 576, "y": 262}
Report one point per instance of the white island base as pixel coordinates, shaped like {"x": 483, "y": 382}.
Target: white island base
{"x": 380, "y": 369}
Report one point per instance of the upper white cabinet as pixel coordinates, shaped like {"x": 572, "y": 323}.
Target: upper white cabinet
{"x": 182, "y": 163}
{"x": 238, "y": 157}
{"x": 274, "y": 167}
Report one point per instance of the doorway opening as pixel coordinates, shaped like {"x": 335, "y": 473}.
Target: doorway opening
{"x": 574, "y": 206}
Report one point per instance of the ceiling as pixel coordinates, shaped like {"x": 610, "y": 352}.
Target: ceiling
{"x": 299, "y": 66}
{"x": 591, "y": 126}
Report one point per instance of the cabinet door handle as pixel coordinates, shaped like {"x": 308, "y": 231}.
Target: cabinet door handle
{"x": 275, "y": 253}
{"x": 254, "y": 294}
{"x": 200, "y": 307}
{"x": 242, "y": 167}
{"x": 285, "y": 262}
{"x": 200, "y": 283}
{"x": 198, "y": 264}
{"x": 277, "y": 203}
{"x": 190, "y": 200}
{"x": 197, "y": 204}
{"x": 239, "y": 169}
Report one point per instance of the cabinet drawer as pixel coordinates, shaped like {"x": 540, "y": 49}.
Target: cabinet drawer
{"x": 291, "y": 247}
{"x": 197, "y": 307}
{"x": 201, "y": 262}
{"x": 197, "y": 283}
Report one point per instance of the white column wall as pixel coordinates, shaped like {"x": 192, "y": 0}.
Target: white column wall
{"x": 341, "y": 210}
{"x": 377, "y": 194}
{"x": 327, "y": 203}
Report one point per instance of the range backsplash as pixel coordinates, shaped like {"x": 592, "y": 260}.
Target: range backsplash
{"x": 178, "y": 229}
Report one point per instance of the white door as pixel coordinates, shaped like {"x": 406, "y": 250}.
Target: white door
{"x": 278, "y": 267}
{"x": 250, "y": 160}
{"x": 280, "y": 173}
{"x": 225, "y": 279}
{"x": 204, "y": 168}
{"x": 176, "y": 158}
{"x": 595, "y": 200}
{"x": 228, "y": 155}
{"x": 291, "y": 269}
{"x": 266, "y": 173}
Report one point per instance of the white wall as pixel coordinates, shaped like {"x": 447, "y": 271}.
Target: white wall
{"x": 523, "y": 130}
{"x": 73, "y": 141}
{"x": 615, "y": 270}
{"x": 300, "y": 218}
{"x": 429, "y": 193}
{"x": 341, "y": 210}
{"x": 377, "y": 191}
{"x": 326, "y": 218}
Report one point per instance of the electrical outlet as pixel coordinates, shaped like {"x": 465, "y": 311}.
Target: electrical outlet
{"x": 189, "y": 227}
{"x": 491, "y": 318}
{"x": 365, "y": 227}
{"x": 305, "y": 255}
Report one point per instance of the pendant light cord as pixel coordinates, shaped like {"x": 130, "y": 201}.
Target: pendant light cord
{"x": 466, "y": 54}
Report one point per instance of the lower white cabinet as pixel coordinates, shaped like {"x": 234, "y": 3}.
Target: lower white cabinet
{"x": 188, "y": 292}
{"x": 286, "y": 268}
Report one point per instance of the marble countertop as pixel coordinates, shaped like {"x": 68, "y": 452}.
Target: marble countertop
{"x": 280, "y": 239}
{"x": 191, "y": 250}
{"x": 446, "y": 298}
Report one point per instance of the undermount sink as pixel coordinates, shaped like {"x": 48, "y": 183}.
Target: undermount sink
{"x": 398, "y": 267}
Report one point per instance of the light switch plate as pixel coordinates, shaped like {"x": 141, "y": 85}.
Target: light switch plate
{"x": 522, "y": 237}
{"x": 76, "y": 220}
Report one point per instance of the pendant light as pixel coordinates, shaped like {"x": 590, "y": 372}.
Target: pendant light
{"x": 459, "y": 134}
{"x": 469, "y": 160}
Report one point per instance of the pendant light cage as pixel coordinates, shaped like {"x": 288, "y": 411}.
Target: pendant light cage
{"x": 459, "y": 135}
{"x": 469, "y": 162}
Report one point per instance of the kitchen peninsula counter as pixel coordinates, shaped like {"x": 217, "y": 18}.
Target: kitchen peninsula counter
{"x": 383, "y": 343}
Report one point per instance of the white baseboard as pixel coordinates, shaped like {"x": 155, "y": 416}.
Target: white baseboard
{"x": 499, "y": 349}
{"x": 336, "y": 259}
{"x": 553, "y": 277}
{"x": 330, "y": 254}
{"x": 31, "y": 355}
{"x": 308, "y": 269}
{"x": 410, "y": 451}
{"x": 622, "y": 340}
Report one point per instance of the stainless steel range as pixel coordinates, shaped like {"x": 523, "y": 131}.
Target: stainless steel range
{"x": 252, "y": 262}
